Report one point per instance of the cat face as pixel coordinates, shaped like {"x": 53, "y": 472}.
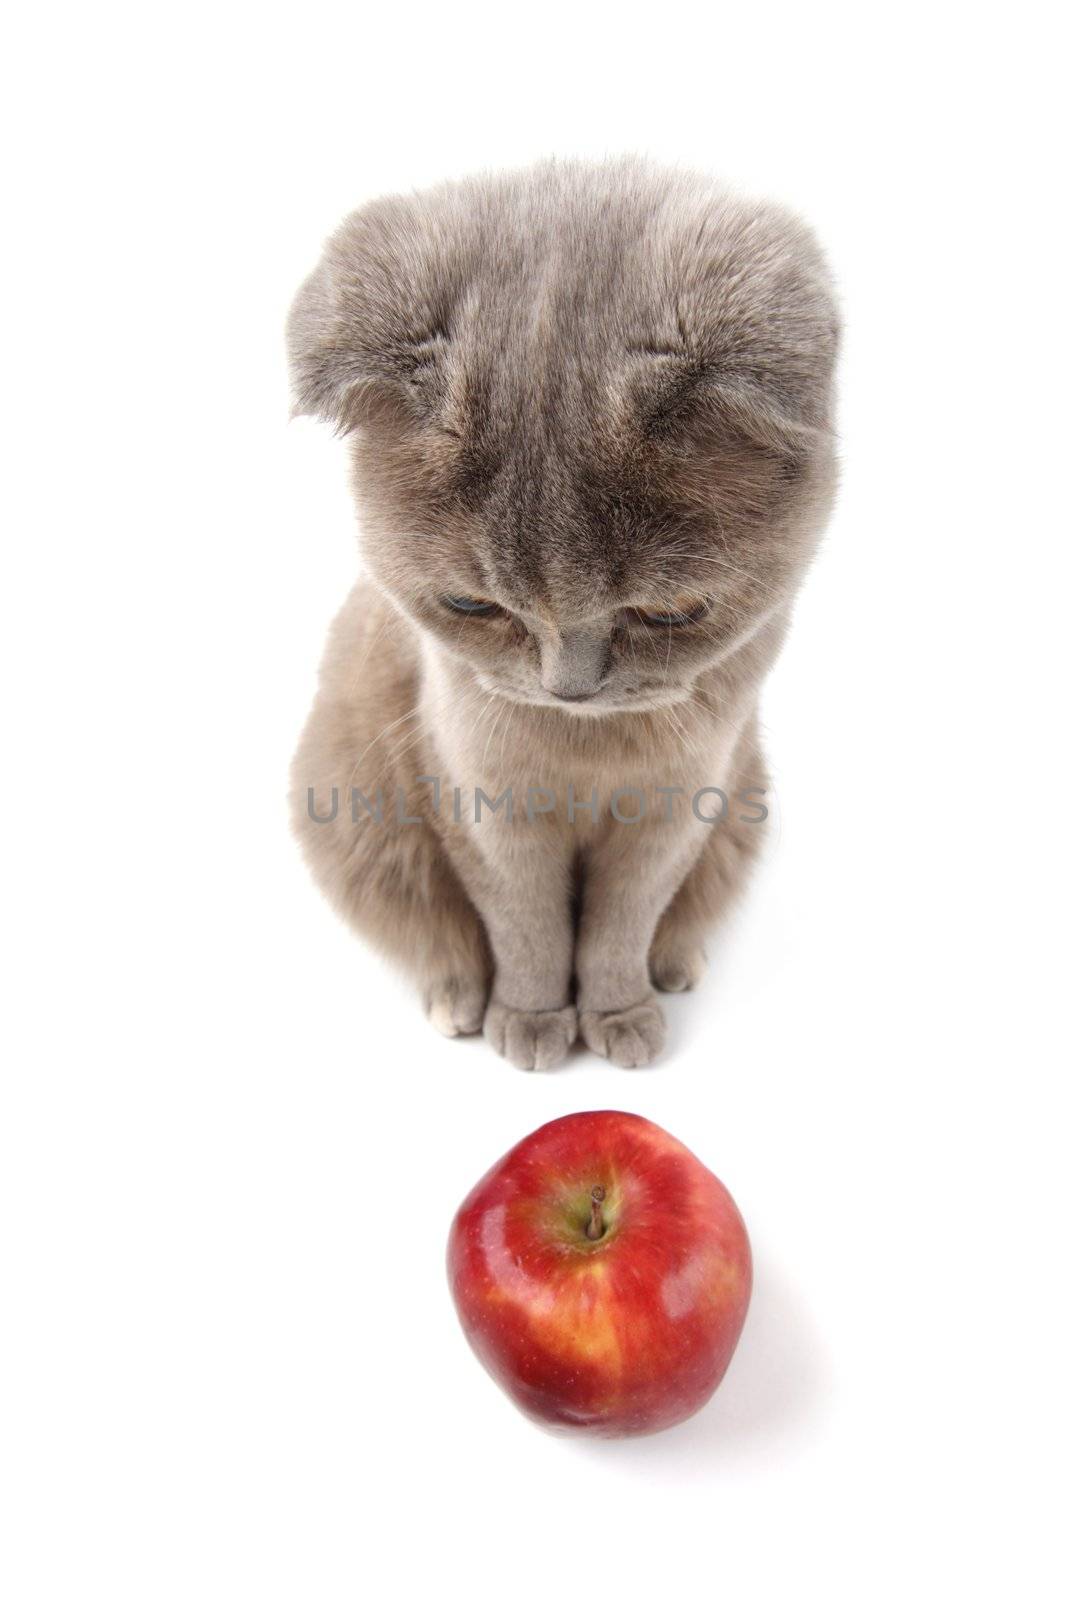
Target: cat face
{"x": 589, "y": 409}
{"x": 594, "y": 596}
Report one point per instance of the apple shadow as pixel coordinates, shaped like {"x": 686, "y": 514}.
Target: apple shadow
{"x": 775, "y": 1387}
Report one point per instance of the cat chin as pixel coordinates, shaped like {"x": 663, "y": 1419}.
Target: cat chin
{"x": 571, "y": 708}
{"x": 597, "y": 706}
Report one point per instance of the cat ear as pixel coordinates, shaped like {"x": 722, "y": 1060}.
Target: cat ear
{"x": 366, "y": 335}
{"x": 690, "y": 407}
{"x": 767, "y": 420}
{"x": 737, "y": 442}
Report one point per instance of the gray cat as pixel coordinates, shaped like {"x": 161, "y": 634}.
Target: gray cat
{"x": 590, "y": 420}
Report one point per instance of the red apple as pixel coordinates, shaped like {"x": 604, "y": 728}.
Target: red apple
{"x": 602, "y": 1275}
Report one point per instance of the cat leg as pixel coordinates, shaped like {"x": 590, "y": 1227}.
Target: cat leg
{"x": 676, "y": 960}
{"x": 518, "y": 871}
{"x": 390, "y": 879}
{"x": 526, "y": 903}
{"x": 628, "y": 881}
{"x": 396, "y": 886}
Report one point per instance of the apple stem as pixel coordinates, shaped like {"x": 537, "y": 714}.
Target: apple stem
{"x": 595, "y": 1226}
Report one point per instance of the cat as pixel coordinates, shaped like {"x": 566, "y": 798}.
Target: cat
{"x": 589, "y": 409}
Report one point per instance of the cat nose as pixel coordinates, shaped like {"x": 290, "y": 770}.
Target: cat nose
{"x": 560, "y": 694}
{"x": 573, "y": 665}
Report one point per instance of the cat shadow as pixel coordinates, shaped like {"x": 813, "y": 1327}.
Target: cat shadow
{"x": 775, "y": 1388}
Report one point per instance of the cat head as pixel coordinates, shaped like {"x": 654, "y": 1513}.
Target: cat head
{"x": 590, "y": 412}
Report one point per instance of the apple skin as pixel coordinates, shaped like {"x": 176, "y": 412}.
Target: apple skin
{"x": 625, "y": 1334}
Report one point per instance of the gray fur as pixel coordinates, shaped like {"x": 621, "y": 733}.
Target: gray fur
{"x": 580, "y": 392}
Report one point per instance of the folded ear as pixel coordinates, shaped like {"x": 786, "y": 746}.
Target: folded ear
{"x": 733, "y": 440}
{"x": 750, "y": 329}
{"x": 764, "y": 419}
{"x": 689, "y": 405}
{"x": 367, "y": 333}
{"x": 332, "y": 377}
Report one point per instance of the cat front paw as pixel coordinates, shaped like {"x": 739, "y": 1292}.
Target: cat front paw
{"x": 630, "y": 1038}
{"x": 532, "y": 1040}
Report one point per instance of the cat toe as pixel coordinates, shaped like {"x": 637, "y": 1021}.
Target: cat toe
{"x": 532, "y": 1040}
{"x": 630, "y": 1038}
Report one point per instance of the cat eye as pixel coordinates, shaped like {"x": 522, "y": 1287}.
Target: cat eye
{"x": 687, "y": 611}
{"x": 469, "y": 605}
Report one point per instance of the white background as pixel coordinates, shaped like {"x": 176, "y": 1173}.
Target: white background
{"x": 231, "y": 1144}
